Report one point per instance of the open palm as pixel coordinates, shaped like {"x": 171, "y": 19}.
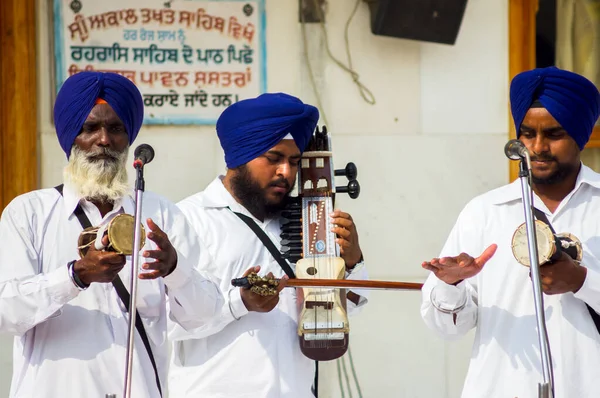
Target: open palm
{"x": 454, "y": 269}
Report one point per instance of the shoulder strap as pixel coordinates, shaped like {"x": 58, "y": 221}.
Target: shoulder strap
{"x": 267, "y": 242}
{"x": 79, "y": 213}
{"x": 540, "y": 215}
{"x": 123, "y": 294}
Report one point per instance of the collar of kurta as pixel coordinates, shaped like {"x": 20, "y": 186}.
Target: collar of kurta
{"x": 216, "y": 196}
{"x": 512, "y": 191}
{"x": 71, "y": 200}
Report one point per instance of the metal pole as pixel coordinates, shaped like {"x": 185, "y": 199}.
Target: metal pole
{"x": 546, "y": 389}
{"x": 139, "y": 190}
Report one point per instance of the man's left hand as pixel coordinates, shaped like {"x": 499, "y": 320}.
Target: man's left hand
{"x": 165, "y": 256}
{"x": 345, "y": 229}
{"x": 562, "y": 276}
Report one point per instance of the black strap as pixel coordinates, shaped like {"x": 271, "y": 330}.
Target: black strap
{"x": 268, "y": 243}
{"x": 123, "y": 294}
{"x": 264, "y": 238}
{"x": 79, "y": 213}
{"x": 315, "y": 386}
{"x": 540, "y": 215}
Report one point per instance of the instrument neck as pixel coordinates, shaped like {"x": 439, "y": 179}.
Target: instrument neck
{"x": 319, "y": 241}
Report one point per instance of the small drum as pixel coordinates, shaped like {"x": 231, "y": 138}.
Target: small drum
{"x": 120, "y": 236}
{"x": 550, "y": 246}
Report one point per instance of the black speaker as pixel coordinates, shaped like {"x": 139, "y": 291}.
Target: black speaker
{"x": 435, "y": 21}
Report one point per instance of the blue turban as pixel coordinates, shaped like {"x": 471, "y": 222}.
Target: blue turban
{"x": 251, "y": 127}
{"x": 570, "y": 98}
{"x": 78, "y": 96}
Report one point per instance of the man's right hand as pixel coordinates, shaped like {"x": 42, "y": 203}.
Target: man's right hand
{"x": 455, "y": 269}
{"x": 258, "y": 303}
{"x": 99, "y": 265}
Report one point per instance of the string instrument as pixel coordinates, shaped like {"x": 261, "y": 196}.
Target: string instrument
{"x": 307, "y": 241}
{"x": 323, "y": 326}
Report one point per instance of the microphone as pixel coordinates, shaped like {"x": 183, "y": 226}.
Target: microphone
{"x": 515, "y": 150}
{"x": 143, "y": 155}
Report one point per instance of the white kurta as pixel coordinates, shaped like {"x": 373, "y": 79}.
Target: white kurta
{"x": 505, "y": 361}
{"x": 72, "y": 343}
{"x": 259, "y": 354}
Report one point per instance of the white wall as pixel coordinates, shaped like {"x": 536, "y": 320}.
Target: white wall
{"x": 433, "y": 140}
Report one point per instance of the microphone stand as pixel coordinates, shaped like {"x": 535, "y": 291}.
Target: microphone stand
{"x": 545, "y": 389}
{"x": 139, "y": 190}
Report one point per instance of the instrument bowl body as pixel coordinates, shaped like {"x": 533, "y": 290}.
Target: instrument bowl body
{"x": 323, "y": 325}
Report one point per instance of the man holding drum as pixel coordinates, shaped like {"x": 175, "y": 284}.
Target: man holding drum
{"x": 69, "y": 321}
{"x": 554, "y": 112}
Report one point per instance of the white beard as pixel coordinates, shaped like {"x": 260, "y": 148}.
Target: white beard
{"x": 99, "y": 179}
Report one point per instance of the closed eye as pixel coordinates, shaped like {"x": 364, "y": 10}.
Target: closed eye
{"x": 273, "y": 159}
{"x": 116, "y": 128}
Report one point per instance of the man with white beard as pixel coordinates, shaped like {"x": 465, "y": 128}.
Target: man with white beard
{"x": 67, "y": 312}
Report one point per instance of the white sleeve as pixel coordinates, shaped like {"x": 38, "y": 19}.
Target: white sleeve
{"x": 27, "y": 296}
{"x": 232, "y": 306}
{"x": 193, "y": 296}
{"x": 457, "y": 306}
{"x": 359, "y": 272}
{"x": 589, "y": 292}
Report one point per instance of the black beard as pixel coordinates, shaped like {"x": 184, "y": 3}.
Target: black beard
{"x": 253, "y": 197}
{"x": 563, "y": 171}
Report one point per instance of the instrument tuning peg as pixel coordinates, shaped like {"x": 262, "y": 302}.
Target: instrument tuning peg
{"x": 288, "y": 223}
{"x": 292, "y": 214}
{"x": 294, "y": 202}
{"x": 288, "y": 243}
{"x": 352, "y": 189}
{"x": 291, "y": 229}
{"x": 351, "y": 171}
{"x": 291, "y": 236}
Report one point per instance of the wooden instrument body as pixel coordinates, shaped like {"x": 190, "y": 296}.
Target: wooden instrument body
{"x": 323, "y": 326}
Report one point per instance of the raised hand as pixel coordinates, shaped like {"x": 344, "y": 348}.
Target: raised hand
{"x": 452, "y": 270}
{"x": 165, "y": 255}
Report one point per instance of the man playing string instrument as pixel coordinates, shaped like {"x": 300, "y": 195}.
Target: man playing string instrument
{"x": 251, "y": 349}
{"x": 554, "y": 112}
{"x": 69, "y": 323}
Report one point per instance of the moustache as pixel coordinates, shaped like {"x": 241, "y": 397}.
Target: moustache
{"x": 281, "y": 183}
{"x": 103, "y": 152}
{"x": 543, "y": 158}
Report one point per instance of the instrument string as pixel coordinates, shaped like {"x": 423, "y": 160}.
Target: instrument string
{"x": 330, "y": 260}
{"x": 317, "y": 292}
